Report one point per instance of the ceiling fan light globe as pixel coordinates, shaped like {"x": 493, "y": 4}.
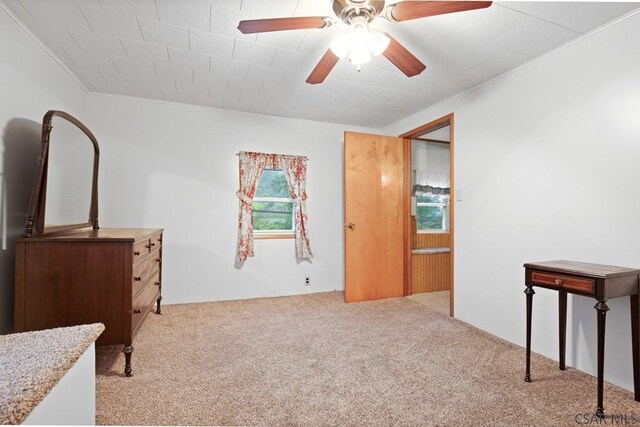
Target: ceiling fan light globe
{"x": 378, "y": 42}
{"x": 341, "y": 46}
{"x": 360, "y": 53}
{"x": 359, "y": 34}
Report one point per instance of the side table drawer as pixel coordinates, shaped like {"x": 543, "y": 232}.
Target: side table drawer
{"x": 564, "y": 282}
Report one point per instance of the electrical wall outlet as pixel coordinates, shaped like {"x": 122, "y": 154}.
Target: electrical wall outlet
{"x": 307, "y": 281}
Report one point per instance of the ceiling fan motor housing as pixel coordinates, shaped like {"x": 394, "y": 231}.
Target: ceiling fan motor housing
{"x": 349, "y": 9}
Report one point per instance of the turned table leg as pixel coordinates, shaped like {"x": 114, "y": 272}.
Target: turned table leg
{"x": 127, "y": 350}
{"x": 158, "y": 310}
{"x": 529, "y": 292}
{"x": 562, "y": 333}
{"x": 602, "y": 309}
{"x": 635, "y": 344}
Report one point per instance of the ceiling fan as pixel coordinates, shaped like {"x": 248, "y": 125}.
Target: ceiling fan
{"x": 361, "y": 42}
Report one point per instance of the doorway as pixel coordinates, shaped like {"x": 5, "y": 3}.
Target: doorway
{"x": 378, "y": 215}
{"x": 429, "y": 222}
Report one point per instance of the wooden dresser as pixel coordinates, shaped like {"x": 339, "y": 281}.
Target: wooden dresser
{"x": 108, "y": 275}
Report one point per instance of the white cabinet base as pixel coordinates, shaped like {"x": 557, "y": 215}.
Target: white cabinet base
{"x": 73, "y": 400}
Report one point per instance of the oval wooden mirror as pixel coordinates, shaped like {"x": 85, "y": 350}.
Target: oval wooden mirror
{"x": 65, "y": 191}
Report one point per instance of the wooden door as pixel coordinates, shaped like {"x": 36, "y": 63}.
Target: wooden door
{"x": 374, "y": 217}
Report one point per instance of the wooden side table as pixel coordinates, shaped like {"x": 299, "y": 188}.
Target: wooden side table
{"x": 601, "y": 282}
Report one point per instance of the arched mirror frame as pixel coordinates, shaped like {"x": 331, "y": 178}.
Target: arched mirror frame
{"x": 37, "y": 206}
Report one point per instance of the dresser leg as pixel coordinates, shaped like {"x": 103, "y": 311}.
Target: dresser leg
{"x": 562, "y": 314}
{"x": 529, "y": 292}
{"x": 602, "y": 309}
{"x": 127, "y": 350}
{"x": 635, "y": 344}
{"x": 158, "y": 310}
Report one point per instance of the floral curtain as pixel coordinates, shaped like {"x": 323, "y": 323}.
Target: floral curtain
{"x": 251, "y": 167}
{"x": 294, "y": 169}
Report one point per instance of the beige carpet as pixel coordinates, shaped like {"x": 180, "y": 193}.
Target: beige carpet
{"x": 313, "y": 360}
{"x": 436, "y": 301}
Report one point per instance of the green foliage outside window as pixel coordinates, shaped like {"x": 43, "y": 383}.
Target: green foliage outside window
{"x": 430, "y": 217}
{"x": 272, "y": 215}
{"x": 272, "y": 184}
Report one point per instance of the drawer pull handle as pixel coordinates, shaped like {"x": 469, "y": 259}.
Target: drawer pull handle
{"x": 558, "y": 282}
{"x": 136, "y": 311}
{"x": 158, "y": 260}
{"x": 157, "y": 283}
{"x": 152, "y": 244}
{"x": 137, "y": 278}
{"x": 136, "y": 253}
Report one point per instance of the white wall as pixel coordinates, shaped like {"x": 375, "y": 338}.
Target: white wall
{"x": 548, "y": 158}
{"x": 32, "y": 82}
{"x": 175, "y": 166}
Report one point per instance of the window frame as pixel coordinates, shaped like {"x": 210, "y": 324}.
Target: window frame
{"x": 274, "y": 234}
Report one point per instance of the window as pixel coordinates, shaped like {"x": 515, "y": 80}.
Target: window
{"x": 272, "y": 207}
{"x": 432, "y": 214}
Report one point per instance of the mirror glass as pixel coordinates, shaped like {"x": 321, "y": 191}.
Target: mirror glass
{"x": 69, "y": 175}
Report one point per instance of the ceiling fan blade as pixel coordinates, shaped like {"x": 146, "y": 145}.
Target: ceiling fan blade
{"x": 402, "y": 58}
{"x": 324, "y": 67}
{"x": 282, "y": 24}
{"x": 408, "y": 10}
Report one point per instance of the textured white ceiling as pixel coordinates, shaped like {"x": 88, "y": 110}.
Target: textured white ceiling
{"x": 190, "y": 51}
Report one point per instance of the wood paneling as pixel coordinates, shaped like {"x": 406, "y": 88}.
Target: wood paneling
{"x": 430, "y": 272}
{"x": 432, "y": 240}
{"x": 428, "y": 240}
{"x": 374, "y": 205}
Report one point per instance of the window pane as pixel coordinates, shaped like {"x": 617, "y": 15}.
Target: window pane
{"x": 431, "y": 199}
{"x": 429, "y": 217}
{"x": 272, "y": 184}
{"x": 272, "y": 216}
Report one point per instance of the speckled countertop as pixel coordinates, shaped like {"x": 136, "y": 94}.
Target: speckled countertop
{"x": 427, "y": 251}
{"x": 31, "y": 363}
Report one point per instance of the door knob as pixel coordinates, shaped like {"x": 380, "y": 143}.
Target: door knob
{"x": 351, "y": 226}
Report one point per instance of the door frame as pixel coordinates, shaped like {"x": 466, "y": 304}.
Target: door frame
{"x": 447, "y": 120}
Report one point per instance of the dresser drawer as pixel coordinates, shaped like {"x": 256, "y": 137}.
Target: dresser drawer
{"x": 564, "y": 282}
{"x": 144, "y": 270}
{"x": 140, "y": 249}
{"x": 143, "y": 247}
{"x": 155, "y": 243}
{"x": 139, "y": 285}
{"x": 143, "y": 303}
